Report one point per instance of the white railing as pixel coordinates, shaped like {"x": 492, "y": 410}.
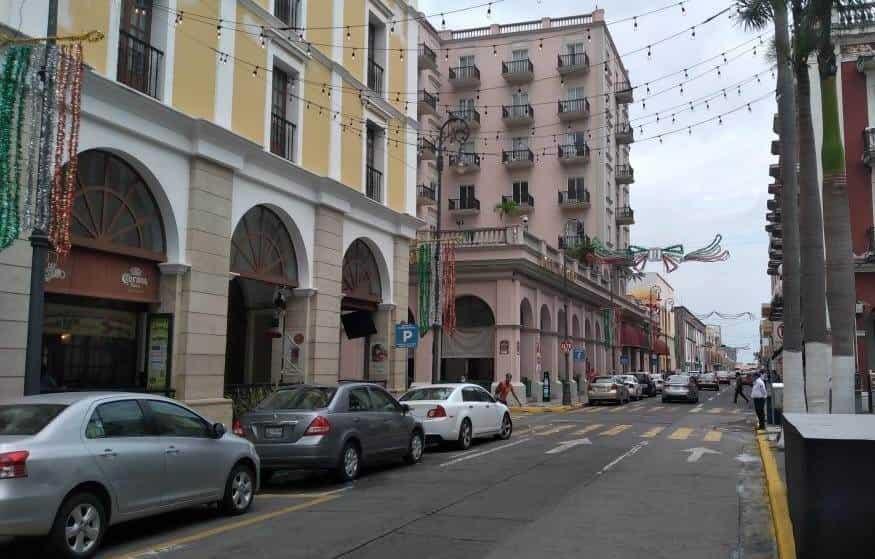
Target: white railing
{"x": 571, "y": 20}
{"x": 520, "y": 27}
{"x": 470, "y": 33}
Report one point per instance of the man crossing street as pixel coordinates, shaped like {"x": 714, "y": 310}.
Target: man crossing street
{"x": 739, "y": 389}
{"x": 759, "y": 394}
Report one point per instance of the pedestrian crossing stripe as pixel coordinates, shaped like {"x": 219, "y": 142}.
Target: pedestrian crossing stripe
{"x": 681, "y": 434}
{"x": 653, "y": 432}
{"x": 588, "y": 428}
{"x": 615, "y": 430}
{"x": 555, "y": 430}
{"x": 657, "y": 408}
{"x": 697, "y": 409}
{"x": 618, "y": 408}
{"x": 715, "y": 410}
{"x": 590, "y": 410}
{"x": 713, "y": 436}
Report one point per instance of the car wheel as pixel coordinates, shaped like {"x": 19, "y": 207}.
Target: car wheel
{"x": 506, "y": 427}
{"x": 79, "y": 526}
{"x": 466, "y": 435}
{"x": 350, "y": 462}
{"x": 239, "y": 490}
{"x": 414, "y": 449}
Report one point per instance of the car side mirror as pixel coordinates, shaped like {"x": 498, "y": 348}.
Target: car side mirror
{"x": 405, "y": 408}
{"x": 218, "y": 430}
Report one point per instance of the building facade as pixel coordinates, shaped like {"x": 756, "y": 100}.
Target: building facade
{"x": 658, "y": 296}
{"x": 690, "y": 332}
{"x": 544, "y": 167}
{"x": 245, "y": 200}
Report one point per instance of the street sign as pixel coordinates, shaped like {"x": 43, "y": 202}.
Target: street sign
{"x": 406, "y": 336}
{"x": 566, "y": 346}
{"x": 580, "y": 354}
{"x": 624, "y": 359}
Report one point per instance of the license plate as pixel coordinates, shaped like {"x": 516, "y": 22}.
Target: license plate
{"x": 273, "y": 432}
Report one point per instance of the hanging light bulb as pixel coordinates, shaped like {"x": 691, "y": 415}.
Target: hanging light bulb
{"x": 179, "y": 18}
{"x": 758, "y": 79}
{"x": 739, "y": 90}
{"x": 401, "y": 53}
{"x": 643, "y": 105}
{"x": 707, "y": 105}
{"x": 589, "y": 35}
{"x": 724, "y": 94}
{"x": 447, "y": 55}
{"x": 673, "y": 119}
{"x": 657, "y": 117}
{"x": 648, "y": 88}
{"x": 649, "y": 52}
{"x": 719, "y": 73}
{"x": 686, "y": 74}
{"x": 443, "y": 21}
{"x": 690, "y": 130}
{"x": 494, "y": 51}
{"x": 683, "y": 9}
{"x": 692, "y": 110}
{"x": 720, "y": 119}
{"x": 353, "y": 53}
{"x": 489, "y": 10}
{"x": 724, "y": 58}
{"x": 219, "y": 30}
{"x": 660, "y": 139}
{"x": 693, "y": 34}
{"x": 255, "y": 72}
{"x": 348, "y": 34}
{"x": 540, "y": 44}
{"x": 682, "y": 89}
{"x": 262, "y": 39}
{"x": 635, "y": 23}
{"x": 748, "y": 108}
{"x": 392, "y": 28}
{"x": 754, "y": 51}
{"x": 308, "y": 49}
{"x": 323, "y": 89}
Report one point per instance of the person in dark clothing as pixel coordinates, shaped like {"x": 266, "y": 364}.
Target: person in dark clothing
{"x": 739, "y": 389}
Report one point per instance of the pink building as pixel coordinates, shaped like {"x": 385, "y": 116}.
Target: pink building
{"x": 546, "y": 166}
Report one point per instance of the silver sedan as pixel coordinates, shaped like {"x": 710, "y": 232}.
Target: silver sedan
{"x": 73, "y": 464}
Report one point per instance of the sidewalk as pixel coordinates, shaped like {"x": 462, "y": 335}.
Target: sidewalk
{"x": 544, "y": 407}
{"x": 772, "y": 455}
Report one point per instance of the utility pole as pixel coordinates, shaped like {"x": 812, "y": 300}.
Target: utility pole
{"x": 658, "y": 291}
{"x": 566, "y": 384}
{"x": 459, "y": 133}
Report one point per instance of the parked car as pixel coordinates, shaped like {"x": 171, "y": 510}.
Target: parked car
{"x": 333, "y": 428}
{"x": 648, "y": 387}
{"x": 458, "y": 413}
{"x": 609, "y": 389}
{"x": 72, "y": 464}
{"x": 636, "y": 390}
{"x": 694, "y": 375}
{"x": 708, "y": 381}
{"x": 680, "y": 387}
{"x": 723, "y": 376}
{"x": 657, "y": 381}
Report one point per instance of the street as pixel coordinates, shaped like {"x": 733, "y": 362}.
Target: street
{"x": 646, "y": 479}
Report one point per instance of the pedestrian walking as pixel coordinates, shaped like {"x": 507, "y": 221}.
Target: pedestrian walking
{"x": 505, "y": 388}
{"x": 759, "y": 394}
{"x": 739, "y": 389}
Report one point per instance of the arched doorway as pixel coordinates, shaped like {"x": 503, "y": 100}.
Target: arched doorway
{"x": 599, "y": 351}
{"x": 363, "y": 353}
{"x": 469, "y": 352}
{"x": 102, "y": 299}
{"x": 265, "y": 268}
{"x": 549, "y": 346}
{"x": 528, "y": 341}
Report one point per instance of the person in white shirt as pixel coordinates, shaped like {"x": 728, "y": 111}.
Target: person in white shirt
{"x": 758, "y": 394}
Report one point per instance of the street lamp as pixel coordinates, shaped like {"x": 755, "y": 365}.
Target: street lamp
{"x": 658, "y": 290}
{"x": 453, "y": 129}
{"x": 669, "y": 306}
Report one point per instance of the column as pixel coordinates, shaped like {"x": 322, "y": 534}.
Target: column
{"x": 202, "y": 317}
{"x": 297, "y": 331}
{"x": 381, "y": 359}
{"x": 324, "y": 342}
{"x": 401, "y": 293}
{"x": 14, "y": 300}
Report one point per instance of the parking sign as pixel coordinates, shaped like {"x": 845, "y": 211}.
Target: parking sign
{"x": 406, "y": 336}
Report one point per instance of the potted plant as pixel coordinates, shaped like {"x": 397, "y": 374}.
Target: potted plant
{"x": 508, "y": 208}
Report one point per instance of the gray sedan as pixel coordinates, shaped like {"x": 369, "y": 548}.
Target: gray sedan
{"x": 73, "y": 464}
{"x": 334, "y": 428}
{"x": 680, "y": 387}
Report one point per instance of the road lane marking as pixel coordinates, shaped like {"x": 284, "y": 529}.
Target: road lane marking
{"x": 681, "y": 434}
{"x": 697, "y": 453}
{"x": 713, "y": 436}
{"x": 617, "y": 408}
{"x": 248, "y": 521}
{"x": 657, "y": 408}
{"x": 715, "y": 410}
{"x": 623, "y": 456}
{"x": 697, "y": 409}
{"x": 563, "y": 446}
{"x": 304, "y": 495}
{"x": 469, "y": 456}
{"x": 615, "y": 430}
{"x": 653, "y": 432}
{"x": 587, "y": 429}
{"x": 590, "y": 410}
{"x": 554, "y": 430}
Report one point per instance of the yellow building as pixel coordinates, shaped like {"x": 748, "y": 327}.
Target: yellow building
{"x": 657, "y": 297}
{"x": 265, "y": 151}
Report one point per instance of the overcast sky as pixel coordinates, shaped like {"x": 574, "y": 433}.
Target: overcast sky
{"x": 690, "y": 187}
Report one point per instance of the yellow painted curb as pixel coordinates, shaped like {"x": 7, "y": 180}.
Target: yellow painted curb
{"x": 544, "y": 409}
{"x": 777, "y": 492}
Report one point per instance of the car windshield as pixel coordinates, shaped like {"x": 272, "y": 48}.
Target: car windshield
{"x": 603, "y": 380}
{"x": 708, "y": 376}
{"x": 678, "y": 379}
{"x": 304, "y": 398}
{"x": 27, "y": 419}
{"x": 431, "y": 393}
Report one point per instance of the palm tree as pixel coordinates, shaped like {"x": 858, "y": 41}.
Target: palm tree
{"x": 756, "y": 14}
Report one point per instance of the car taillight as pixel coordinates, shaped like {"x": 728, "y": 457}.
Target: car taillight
{"x": 237, "y": 428}
{"x": 318, "y": 426}
{"x": 13, "y": 464}
{"x": 615, "y": 386}
{"x": 438, "y": 411}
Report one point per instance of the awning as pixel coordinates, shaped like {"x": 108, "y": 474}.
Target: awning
{"x": 632, "y": 336}
{"x": 660, "y": 347}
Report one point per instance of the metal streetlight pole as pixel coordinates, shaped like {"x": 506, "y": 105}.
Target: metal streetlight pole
{"x": 459, "y": 134}
{"x": 658, "y": 291}
{"x": 566, "y": 385}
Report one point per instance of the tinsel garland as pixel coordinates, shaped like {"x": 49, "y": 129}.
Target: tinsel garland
{"x": 14, "y": 67}
{"x": 423, "y": 269}
{"x": 449, "y": 288}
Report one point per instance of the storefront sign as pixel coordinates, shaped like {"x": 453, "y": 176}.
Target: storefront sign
{"x": 158, "y": 351}
{"x": 135, "y": 278}
{"x": 92, "y": 273}
{"x": 504, "y": 347}
{"x": 406, "y": 336}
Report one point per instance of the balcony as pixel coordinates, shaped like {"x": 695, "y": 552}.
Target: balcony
{"x": 625, "y": 216}
{"x": 573, "y": 64}
{"x": 776, "y": 147}
{"x": 464, "y": 76}
{"x": 464, "y": 206}
{"x": 625, "y": 174}
{"x": 775, "y": 230}
{"x": 573, "y": 154}
{"x": 869, "y": 146}
{"x": 574, "y": 200}
{"x": 471, "y": 116}
{"x": 282, "y": 137}
{"x": 373, "y": 184}
{"x": 775, "y": 171}
{"x": 625, "y": 134}
{"x": 375, "y": 77}
{"x": 426, "y": 195}
{"x": 139, "y": 64}
{"x": 427, "y": 58}
{"x": 427, "y": 103}
{"x": 573, "y": 109}
{"x": 518, "y": 158}
{"x": 773, "y": 217}
{"x": 518, "y": 71}
{"x": 464, "y": 163}
{"x": 568, "y": 242}
{"x": 776, "y": 189}
{"x": 427, "y": 151}
{"x": 773, "y": 205}
{"x": 517, "y": 115}
{"x": 624, "y": 93}
{"x": 525, "y": 205}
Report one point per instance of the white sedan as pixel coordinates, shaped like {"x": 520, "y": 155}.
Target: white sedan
{"x": 635, "y": 389}
{"x": 458, "y": 413}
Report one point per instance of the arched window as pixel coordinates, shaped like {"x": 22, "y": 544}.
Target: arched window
{"x": 113, "y": 209}
{"x": 261, "y": 249}
{"x": 473, "y": 312}
{"x": 360, "y": 275}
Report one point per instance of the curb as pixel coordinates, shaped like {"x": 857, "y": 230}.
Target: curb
{"x": 545, "y": 409}
{"x": 777, "y": 493}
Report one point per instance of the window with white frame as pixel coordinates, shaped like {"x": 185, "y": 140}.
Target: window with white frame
{"x": 283, "y": 113}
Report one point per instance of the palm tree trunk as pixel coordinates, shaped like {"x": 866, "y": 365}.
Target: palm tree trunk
{"x": 794, "y": 389}
{"x": 818, "y": 352}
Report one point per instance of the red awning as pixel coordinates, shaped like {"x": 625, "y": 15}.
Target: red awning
{"x": 660, "y": 347}
{"x": 632, "y": 336}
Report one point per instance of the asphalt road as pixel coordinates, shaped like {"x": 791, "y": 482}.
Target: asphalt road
{"x": 647, "y": 480}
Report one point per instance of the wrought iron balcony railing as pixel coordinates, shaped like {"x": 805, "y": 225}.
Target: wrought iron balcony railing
{"x": 375, "y": 76}
{"x": 282, "y": 137}
{"x": 373, "y": 183}
{"x": 139, "y": 64}
{"x": 459, "y": 204}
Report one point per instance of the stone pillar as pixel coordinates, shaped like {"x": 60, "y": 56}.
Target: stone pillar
{"x": 324, "y": 342}
{"x": 385, "y": 336}
{"x": 202, "y": 319}
{"x": 401, "y": 291}
{"x": 298, "y": 333}
{"x": 14, "y": 300}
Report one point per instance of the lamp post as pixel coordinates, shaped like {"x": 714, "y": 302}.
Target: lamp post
{"x": 458, "y": 133}
{"x": 658, "y": 290}
{"x": 669, "y": 316}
